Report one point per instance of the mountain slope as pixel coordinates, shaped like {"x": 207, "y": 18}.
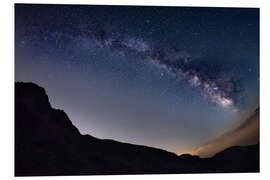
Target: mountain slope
{"x": 47, "y": 143}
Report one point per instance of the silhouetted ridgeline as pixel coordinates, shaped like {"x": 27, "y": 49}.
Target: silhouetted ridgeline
{"x": 47, "y": 143}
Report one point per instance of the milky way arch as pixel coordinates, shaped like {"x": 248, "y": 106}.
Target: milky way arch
{"x": 218, "y": 89}
{"x": 196, "y": 73}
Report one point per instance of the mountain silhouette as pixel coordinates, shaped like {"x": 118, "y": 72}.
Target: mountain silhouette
{"x": 47, "y": 143}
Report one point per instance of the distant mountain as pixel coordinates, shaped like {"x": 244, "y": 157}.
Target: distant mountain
{"x": 47, "y": 143}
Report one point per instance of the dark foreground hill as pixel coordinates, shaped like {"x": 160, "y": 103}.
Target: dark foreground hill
{"x": 47, "y": 143}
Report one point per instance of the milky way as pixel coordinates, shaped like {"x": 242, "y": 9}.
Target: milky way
{"x": 173, "y": 63}
{"x": 168, "y": 77}
{"x": 217, "y": 89}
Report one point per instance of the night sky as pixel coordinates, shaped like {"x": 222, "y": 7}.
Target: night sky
{"x": 168, "y": 77}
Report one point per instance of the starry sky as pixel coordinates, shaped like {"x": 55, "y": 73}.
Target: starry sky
{"x": 167, "y": 77}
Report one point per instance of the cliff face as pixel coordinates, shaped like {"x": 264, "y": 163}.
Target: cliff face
{"x": 47, "y": 143}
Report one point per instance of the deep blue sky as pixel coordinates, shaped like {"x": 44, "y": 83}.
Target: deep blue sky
{"x": 168, "y": 77}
